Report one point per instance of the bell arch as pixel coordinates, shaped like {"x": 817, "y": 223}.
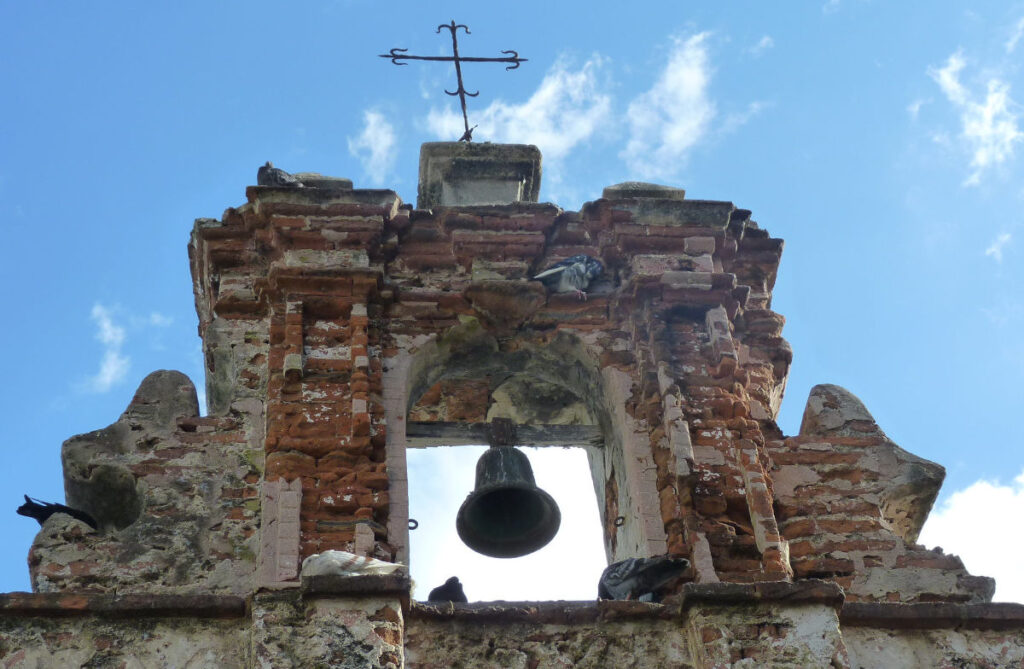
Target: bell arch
{"x": 522, "y": 375}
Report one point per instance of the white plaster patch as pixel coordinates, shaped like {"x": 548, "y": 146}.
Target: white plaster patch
{"x": 327, "y": 352}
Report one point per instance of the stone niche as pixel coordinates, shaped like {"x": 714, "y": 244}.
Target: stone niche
{"x": 341, "y": 327}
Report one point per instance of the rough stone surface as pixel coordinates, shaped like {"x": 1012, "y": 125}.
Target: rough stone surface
{"x": 293, "y": 633}
{"x": 642, "y": 189}
{"x": 175, "y": 496}
{"x": 911, "y": 649}
{"x": 851, "y": 504}
{"x": 468, "y": 644}
{"x": 51, "y": 643}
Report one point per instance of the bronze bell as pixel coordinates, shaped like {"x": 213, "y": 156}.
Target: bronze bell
{"x": 507, "y": 515}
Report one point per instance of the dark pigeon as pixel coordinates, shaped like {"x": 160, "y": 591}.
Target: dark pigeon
{"x": 268, "y": 175}
{"x": 640, "y": 578}
{"x": 451, "y": 591}
{"x": 572, "y": 274}
{"x": 33, "y": 508}
{"x": 468, "y": 135}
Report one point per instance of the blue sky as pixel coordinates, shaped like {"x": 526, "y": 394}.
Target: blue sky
{"x": 881, "y": 140}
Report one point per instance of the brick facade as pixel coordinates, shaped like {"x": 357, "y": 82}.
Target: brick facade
{"x": 339, "y": 325}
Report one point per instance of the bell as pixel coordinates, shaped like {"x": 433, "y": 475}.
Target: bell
{"x": 507, "y": 515}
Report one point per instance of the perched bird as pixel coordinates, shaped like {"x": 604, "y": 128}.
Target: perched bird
{"x": 639, "y": 578}
{"x": 343, "y": 563}
{"x": 34, "y": 508}
{"x": 268, "y": 175}
{"x": 468, "y": 135}
{"x": 451, "y": 591}
{"x": 572, "y": 274}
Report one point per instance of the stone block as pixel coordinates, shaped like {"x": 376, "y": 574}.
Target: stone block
{"x": 464, "y": 173}
{"x": 710, "y": 214}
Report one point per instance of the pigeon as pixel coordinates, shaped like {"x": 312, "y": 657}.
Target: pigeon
{"x": 639, "y": 578}
{"x": 572, "y": 274}
{"x": 451, "y": 591}
{"x": 468, "y": 135}
{"x": 34, "y": 508}
{"x": 343, "y": 563}
{"x": 268, "y": 175}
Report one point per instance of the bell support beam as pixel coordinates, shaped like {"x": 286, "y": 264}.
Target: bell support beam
{"x": 438, "y": 433}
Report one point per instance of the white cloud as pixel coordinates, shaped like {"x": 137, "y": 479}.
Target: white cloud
{"x": 108, "y": 332}
{"x": 671, "y": 117}
{"x": 736, "y": 119}
{"x": 989, "y": 121}
{"x": 112, "y": 327}
{"x": 978, "y": 524}
{"x": 763, "y": 45}
{"x": 948, "y": 78}
{"x": 154, "y": 319}
{"x": 996, "y": 249}
{"x": 830, "y": 7}
{"x": 914, "y": 108}
{"x": 375, "y": 146}
{"x": 1018, "y": 32}
{"x": 566, "y": 109}
{"x": 113, "y": 365}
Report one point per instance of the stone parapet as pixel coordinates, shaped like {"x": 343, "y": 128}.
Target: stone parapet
{"x": 127, "y": 607}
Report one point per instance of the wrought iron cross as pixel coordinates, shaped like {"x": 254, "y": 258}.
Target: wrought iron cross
{"x": 399, "y": 54}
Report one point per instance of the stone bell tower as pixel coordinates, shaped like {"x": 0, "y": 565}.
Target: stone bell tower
{"x": 342, "y": 327}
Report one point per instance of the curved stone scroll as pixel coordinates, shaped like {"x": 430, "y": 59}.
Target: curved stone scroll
{"x": 851, "y": 503}
{"x": 175, "y": 496}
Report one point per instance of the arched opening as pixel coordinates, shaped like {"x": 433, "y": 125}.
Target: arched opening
{"x": 452, "y": 388}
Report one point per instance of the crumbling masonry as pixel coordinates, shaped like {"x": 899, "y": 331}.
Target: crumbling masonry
{"x": 341, "y": 327}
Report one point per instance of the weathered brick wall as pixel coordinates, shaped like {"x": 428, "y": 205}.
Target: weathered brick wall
{"x": 333, "y": 317}
{"x": 372, "y": 313}
{"x": 300, "y": 272}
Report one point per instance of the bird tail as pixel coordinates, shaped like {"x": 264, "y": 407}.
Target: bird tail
{"x": 549, "y": 272}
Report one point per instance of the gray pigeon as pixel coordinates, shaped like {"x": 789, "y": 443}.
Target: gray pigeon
{"x": 572, "y": 274}
{"x": 639, "y": 578}
{"x": 268, "y": 175}
{"x": 451, "y": 591}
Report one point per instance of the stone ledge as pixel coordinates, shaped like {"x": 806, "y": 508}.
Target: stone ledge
{"x": 381, "y": 197}
{"x": 369, "y": 584}
{"x": 711, "y": 214}
{"x": 809, "y": 591}
{"x": 933, "y": 615}
{"x": 559, "y": 612}
{"x": 509, "y": 210}
{"x": 121, "y": 606}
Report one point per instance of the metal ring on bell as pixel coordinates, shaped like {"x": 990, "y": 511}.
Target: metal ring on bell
{"x": 507, "y": 515}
